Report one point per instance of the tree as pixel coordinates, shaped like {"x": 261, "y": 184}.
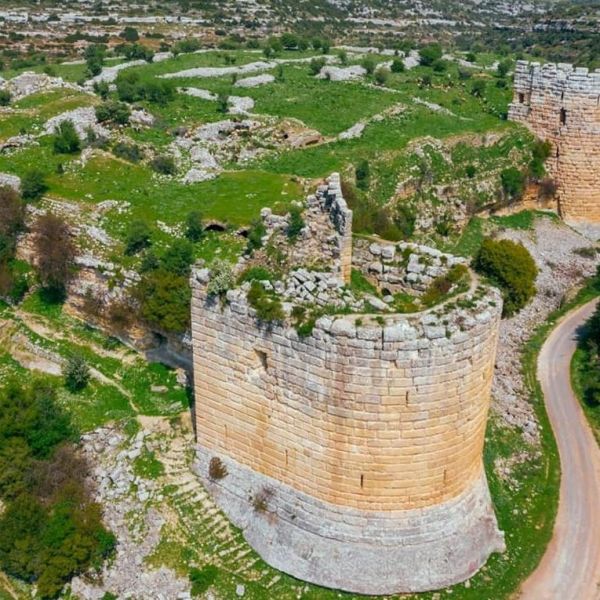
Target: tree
{"x": 33, "y": 184}
{"x": 165, "y": 300}
{"x": 55, "y": 253}
{"x": 76, "y": 373}
{"x": 429, "y": 54}
{"x": 223, "y": 103}
{"x": 12, "y": 212}
{"x": 194, "y": 228}
{"x": 315, "y": 65}
{"x": 66, "y": 140}
{"x": 504, "y": 67}
{"x": 510, "y": 266}
{"x": 289, "y": 41}
{"x": 130, "y": 34}
{"x": 137, "y": 237}
{"x": 362, "y": 173}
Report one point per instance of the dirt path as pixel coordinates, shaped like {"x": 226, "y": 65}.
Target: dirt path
{"x": 570, "y": 569}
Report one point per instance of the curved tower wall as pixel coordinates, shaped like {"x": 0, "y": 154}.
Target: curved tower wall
{"x": 561, "y": 104}
{"x": 366, "y": 439}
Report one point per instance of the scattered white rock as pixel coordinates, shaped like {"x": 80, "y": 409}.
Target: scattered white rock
{"x": 250, "y": 82}
{"x": 342, "y": 73}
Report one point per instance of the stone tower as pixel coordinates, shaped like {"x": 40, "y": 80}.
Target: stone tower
{"x": 353, "y": 450}
{"x": 561, "y": 104}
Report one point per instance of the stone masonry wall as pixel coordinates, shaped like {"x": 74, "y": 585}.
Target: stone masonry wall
{"x": 374, "y": 417}
{"x": 561, "y": 104}
{"x": 366, "y": 438}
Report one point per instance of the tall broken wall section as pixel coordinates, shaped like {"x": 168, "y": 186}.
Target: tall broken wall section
{"x": 561, "y": 104}
{"x": 364, "y": 439}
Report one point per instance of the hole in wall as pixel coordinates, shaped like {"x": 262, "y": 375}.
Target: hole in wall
{"x": 362, "y": 481}
{"x": 263, "y": 359}
{"x": 214, "y": 226}
{"x": 563, "y": 116}
{"x": 521, "y": 98}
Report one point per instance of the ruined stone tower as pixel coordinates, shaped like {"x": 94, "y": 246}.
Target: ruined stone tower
{"x": 561, "y": 104}
{"x": 353, "y": 448}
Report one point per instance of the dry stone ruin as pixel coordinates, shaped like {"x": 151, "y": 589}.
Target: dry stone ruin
{"x": 351, "y": 454}
{"x": 561, "y": 104}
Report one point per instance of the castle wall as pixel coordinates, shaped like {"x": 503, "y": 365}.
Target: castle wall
{"x": 370, "y": 435}
{"x": 561, "y": 104}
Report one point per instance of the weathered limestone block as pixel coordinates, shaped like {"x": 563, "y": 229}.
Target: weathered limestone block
{"x": 559, "y": 103}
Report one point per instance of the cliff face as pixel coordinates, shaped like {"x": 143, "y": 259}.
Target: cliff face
{"x": 363, "y": 439}
{"x": 561, "y": 104}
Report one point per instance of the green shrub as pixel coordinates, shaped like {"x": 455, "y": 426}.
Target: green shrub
{"x": 178, "y": 257}
{"x": 362, "y": 173}
{"x": 429, "y": 54}
{"x": 398, "y": 66}
{"x": 296, "y": 224}
{"x": 164, "y": 299}
{"x": 256, "y": 274}
{"x": 194, "y": 228}
{"x": 255, "y": 235}
{"x": 129, "y": 152}
{"x": 268, "y": 307}
{"x": 315, "y": 65}
{"x": 510, "y": 266}
{"x": 202, "y": 579}
{"x": 113, "y": 112}
{"x": 76, "y": 373}
{"x": 165, "y": 165}
{"x": 4, "y": 97}
{"x": 478, "y": 88}
{"x": 369, "y": 64}
{"x": 539, "y": 154}
{"x": 33, "y": 184}
{"x": 513, "y": 182}
{"x": 137, "y": 237}
{"x": 66, "y": 140}
{"x": 382, "y": 75}
{"x": 221, "y": 278}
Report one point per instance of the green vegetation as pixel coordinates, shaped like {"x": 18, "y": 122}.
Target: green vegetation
{"x": 76, "y": 374}
{"x": 51, "y": 530}
{"x": 510, "y": 266}
{"x": 66, "y": 140}
{"x": 268, "y": 307}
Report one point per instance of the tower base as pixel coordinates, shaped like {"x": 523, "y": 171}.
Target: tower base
{"x": 355, "y": 550}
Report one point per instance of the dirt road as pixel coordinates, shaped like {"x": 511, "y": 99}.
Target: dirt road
{"x": 570, "y": 569}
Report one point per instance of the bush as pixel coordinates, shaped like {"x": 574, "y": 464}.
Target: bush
{"x": 165, "y": 165}
{"x": 76, "y": 373}
{"x": 137, "y": 237}
{"x": 129, "y": 152}
{"x": 255, "y": 236}
{"x": 470, "y": 171}
{"x": 194, "y": 228}
{"x": 513, "y": 182}
{"x": 268, "y": 308}
{"x": 202, "y": 579}
{"x": 382, "y": 75}
{"x": 217, "y": 469}
{"x": 478, "y": 88}
{"x": 66, "y": 140}
{"x": 4, "y": 97}
{"x": 33, "y": 184}
{"x": 368, "y": 64}
{"x": 296, "y": 224}
{"x": 255, "y": 274}
{"x": 221, "y": 278}
{"x": 398, "y": 66}
{"x": 130, "y": 34}
{"x": 178, "y": 257}
{"x": 429, "y": 54}
{"x": 315, "y": 65}
{"x": 132, "y": 88}
{"x": 539, "y": 154}
{"x": 362, "y": 173}
{"x": 113, "y": 112}
{"x": 510, "y": 266}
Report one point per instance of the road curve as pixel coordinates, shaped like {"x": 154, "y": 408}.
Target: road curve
{"x": 570, "y": 568}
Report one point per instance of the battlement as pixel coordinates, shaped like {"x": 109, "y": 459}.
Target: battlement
{"x": 557, "y": 78}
